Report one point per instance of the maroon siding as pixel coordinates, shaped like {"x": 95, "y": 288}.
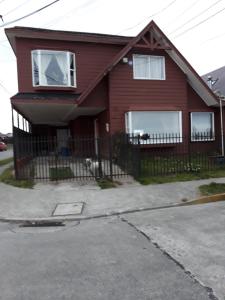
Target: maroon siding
{"x": 99, "y": 96}
{"x": 103, "y": 119}
{"x": 127, "y": 93}
{"x": 82, "y": 126}
{"x": 90, "y": 60}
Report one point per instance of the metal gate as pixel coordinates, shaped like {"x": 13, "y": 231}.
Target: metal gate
{"x": 47, "y": 158}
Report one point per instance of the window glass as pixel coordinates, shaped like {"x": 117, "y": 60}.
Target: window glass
{"x": 35, "y": 69}
{"x": 141, "y": 67}
{"x": 156, "y": 67}
{"x": 53, "y": 68}
{"x": 159, "y": 126}
{"x": 202, "y": 126}
{"x": 72, "y": 69}
{"x": 148, "y": 67}
{"x": 155, "y": 122}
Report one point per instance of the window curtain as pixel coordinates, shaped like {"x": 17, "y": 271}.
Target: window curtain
{"x": 62, "y": 61}
{"x": 72, "y": 71}
{"x": 53, "y": 69}
{"x": 35, "y": 69}
{"x": 43, "y": 74}
{"x": 141, "y": 67}
{"x": 156, "y": 67}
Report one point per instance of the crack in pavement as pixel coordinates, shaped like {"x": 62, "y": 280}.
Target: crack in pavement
{"x": 192, "y": 276}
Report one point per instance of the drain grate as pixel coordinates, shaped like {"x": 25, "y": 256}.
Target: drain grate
{"x": 42, "y": 224}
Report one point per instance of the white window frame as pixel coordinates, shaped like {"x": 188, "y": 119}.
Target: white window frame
{"x": 68, "y": 54}
{"x": 149, "y": 62}
{"x": 204, "y": 139}
{"x": 169, "y": 140}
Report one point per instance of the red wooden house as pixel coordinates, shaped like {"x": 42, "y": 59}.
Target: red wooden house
{"x": 85, "y": 84}
{"x": 96, "y": 83}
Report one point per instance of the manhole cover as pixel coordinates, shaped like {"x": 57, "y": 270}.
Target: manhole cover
{"x": 66, "y": 209}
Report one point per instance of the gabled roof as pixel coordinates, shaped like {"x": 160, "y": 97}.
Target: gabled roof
{"x": 152, "y": 37}
{"x": 219, "y": 76}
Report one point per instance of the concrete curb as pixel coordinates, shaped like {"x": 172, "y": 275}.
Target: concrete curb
{"x": 201, "y": 200}
{"x": 205, "y": 199}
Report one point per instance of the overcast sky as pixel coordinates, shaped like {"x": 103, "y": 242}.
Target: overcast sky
{"x": 196, "y": 28}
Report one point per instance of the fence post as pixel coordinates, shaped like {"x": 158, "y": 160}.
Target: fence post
{"x": 110, "y": 157}
{"x": 137, "y": 159}
{"x": 100, "y": 173}
{"x": 55, "y": 147}
{"x": 15, "y": 152}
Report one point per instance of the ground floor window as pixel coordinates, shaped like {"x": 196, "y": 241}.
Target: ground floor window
{"x": 202, "y": 126}
{"x": 155, "y": 126}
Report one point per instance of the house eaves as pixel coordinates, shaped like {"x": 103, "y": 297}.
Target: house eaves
{"x": 69, "y": 36}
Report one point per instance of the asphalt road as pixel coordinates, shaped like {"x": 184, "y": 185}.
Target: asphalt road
{"x": 6, "y": 154}
{"x": 193, "y": 236}
{"x": 94, "y": 260}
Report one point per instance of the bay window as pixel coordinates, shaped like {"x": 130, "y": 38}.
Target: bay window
{"x": 155, "y": 126}
{"x": 53, "y": 68}
{"x": 148, "y": 67}
{"x": 202, "y": 126}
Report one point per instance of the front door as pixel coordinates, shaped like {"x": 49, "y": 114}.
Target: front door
{"x": 62, "y": 139}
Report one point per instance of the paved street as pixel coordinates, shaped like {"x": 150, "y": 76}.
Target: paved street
{"x": 193, "y": 236}
{"x": 6, "y": 154}
{"x": 96, "y": 259}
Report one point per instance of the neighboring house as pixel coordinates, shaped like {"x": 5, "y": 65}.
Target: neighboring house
{"x": 74, "y": 83}
{"x": 216, "y": 80}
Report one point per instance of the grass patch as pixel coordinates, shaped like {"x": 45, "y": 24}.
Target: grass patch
{"x": 145, "y": 180}
{"x": 6, "y": 161}
{"x": 60, "y": 173}
{"x": 212, "y": 188}
{"x": 106, "y": 183}
{"x": 8, "y": 177}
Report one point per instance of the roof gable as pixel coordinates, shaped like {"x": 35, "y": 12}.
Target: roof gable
{"x": 151, "y": 37}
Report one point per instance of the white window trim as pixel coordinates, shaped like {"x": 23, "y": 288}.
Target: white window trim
{"x": 149, "y": 58}
{"x": 68, "y": 53}
{"x": 213, "y": 127}
{"x": 129, "y": 128}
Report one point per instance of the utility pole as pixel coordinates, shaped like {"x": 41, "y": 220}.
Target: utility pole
{"x": 211, "y": 83}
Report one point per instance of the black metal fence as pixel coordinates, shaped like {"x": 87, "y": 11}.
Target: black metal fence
{"x": 49, "y": 158}
{"x": 172, "y": 154}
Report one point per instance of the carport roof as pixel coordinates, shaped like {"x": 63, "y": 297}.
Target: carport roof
{"x": 45, "y": 96}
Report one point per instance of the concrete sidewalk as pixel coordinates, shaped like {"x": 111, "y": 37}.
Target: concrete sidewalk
{"x": 40, "y": 202}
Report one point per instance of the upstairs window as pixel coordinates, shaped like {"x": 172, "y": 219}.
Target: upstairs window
{"x": 53, "y": 68}
{"x": 149, "y": 67}
{"x": 202, "y": 126}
